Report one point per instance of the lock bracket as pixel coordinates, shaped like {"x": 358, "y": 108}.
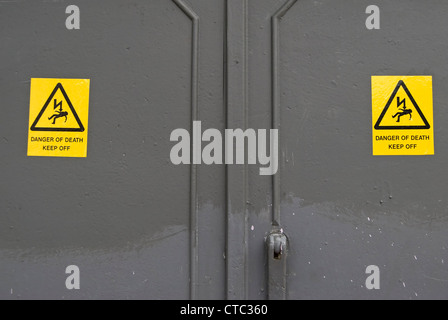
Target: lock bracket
{"x": 277, "y": 249}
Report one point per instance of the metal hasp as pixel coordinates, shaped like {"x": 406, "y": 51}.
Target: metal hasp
{"x": 277, "y": 244}
{"x": 277, "y": 241}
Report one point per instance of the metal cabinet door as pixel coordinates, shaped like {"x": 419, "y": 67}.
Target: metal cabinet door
{"x": 125, "y": 215}
{"x": 139, "y": 227}
{"x": 342, "y": 208}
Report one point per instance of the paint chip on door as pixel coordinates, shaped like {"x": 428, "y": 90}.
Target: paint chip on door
{"x": 58, "y": 119}
{"x": 402, "y": 115}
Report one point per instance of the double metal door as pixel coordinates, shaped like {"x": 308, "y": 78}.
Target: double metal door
{"x": 138, "y": 226}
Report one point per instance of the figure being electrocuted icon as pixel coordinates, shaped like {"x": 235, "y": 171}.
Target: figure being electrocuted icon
{"x": 404, "y": 110}
{"x": 59, "y": 113}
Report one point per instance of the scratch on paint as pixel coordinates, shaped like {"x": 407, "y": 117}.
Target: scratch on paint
{"x": 435, "y": 279}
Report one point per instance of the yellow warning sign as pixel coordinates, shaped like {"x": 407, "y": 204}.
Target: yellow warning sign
{"x": 59, "y": 115}
{"x": 402, "y": 115}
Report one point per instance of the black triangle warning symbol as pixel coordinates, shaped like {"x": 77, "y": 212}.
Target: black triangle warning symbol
{"x": 52, "y": 125}
{"x": 402, "y": 111}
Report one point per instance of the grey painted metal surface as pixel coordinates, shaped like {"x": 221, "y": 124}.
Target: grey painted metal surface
{"x": 123, "y": 214}
{"x": 342, "y": 208}
{"x": 140, "y": 227}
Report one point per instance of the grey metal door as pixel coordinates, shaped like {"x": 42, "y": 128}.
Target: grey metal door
{"x": 342, "y": 208}
{"x": 138, "y": 226}
{"x": 125, "y": 215}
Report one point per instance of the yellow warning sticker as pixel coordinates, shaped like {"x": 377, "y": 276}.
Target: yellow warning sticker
{"x": 402, "y": 115}
{"x": 59, "y": 117}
